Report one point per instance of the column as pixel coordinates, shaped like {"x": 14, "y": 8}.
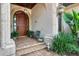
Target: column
{"x": 6, "y": 42}
{"x": 54, "y": 20}
{"x": 52, "y": 11}
{"x": 0, "y": 25}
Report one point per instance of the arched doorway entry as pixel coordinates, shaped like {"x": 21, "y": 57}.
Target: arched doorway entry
{"x": 21, "y": 20}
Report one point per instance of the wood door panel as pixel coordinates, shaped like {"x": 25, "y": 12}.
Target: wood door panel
{"x": 22, "y": 23}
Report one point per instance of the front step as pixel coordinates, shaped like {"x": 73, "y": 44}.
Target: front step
{"x": 29, "y": 49}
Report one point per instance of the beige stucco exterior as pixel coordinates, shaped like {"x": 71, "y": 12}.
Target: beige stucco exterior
{"x": 44, "y": 15}
{"x": 39, "y": 13}
{"x": 41, "y": 19}
{"x": 44, "y": 20}
{"x": 72, "y": 7}
{"x": 0, "y": 23}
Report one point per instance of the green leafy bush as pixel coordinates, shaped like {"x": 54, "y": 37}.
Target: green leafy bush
{"x": 14, "y": 34}
{"x": 72, "y": 19}
{"x": 30, "y": 33}
{"x": 64, "y": 43}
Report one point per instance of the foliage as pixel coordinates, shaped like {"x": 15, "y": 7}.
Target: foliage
{"x": 64, "y": 43}
{"x": 14, "y": 34}
{"x": 30, "y": 33}
{"x": 72, "y": 19}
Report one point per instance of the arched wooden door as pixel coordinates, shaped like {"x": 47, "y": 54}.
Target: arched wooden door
{"x": 22, "y": 23}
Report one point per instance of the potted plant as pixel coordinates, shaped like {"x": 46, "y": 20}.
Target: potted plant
{"x": 30, "y": 34}
{"x": 14, "y": 34}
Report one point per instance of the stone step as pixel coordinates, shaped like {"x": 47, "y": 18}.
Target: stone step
{"x": 29, "y": 49}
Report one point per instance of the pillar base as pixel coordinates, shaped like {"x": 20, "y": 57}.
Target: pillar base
{"x": 9, "y": 50}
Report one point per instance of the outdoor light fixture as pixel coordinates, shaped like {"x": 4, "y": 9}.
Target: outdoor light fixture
{"x": 60, "y": 8}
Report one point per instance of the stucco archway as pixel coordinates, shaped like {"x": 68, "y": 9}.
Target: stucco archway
{"x": 15, "y": 8}
{"x": 21, "y": 23}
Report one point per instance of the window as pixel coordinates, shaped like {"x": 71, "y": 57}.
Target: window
{"x": 14, "y": 23}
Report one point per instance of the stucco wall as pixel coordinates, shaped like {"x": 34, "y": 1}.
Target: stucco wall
{"x": 42, "y": 19}
{"x": 0, "y": 24}
{"x": 72, "y": 7}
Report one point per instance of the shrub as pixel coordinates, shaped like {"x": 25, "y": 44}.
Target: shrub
{"x": 14, "y": 34}
{"x": 64, "y": 43}
{"x": 72, "y": 19}
{"x": 30, "y": 33}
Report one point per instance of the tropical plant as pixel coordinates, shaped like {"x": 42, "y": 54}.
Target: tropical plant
{"x": 14, "y": 34}
{"x": 72, "y": 19}
{"x": 64, "y": 43}
{"x": 30, "y": 33}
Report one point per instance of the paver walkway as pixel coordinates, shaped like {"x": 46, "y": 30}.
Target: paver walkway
{"x": 43, "y": 52}
{"x": 25, "y": 41}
